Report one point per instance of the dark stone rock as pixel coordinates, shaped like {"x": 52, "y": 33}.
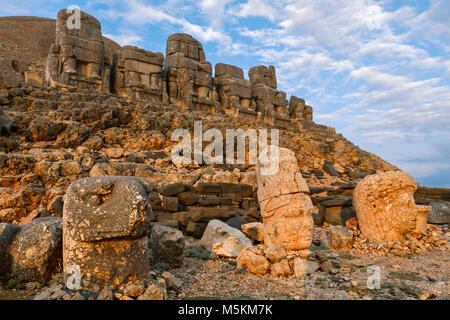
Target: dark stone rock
{"x": 339, "y": 201}
{"x": 440, "y": 213}
{"x": 317, "y": 173}
{"x": 167, "y": 245}
{"x": 208, "y": 188}
{"x": 187, "y": 198}
{"x": 236, "y": 222}
{"x": 172, "y": 189}
{"x": 36, "y": 250}
{"x": 329, "y": 168}
{"x": 7, "y": 234}
{"x": 359, "y": 174}
{"x": 244, "y": 190}
{"x": 170, "y": 204}
{"x": 196, "y": 229}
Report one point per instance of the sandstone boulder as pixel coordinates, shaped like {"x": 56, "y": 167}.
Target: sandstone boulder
{"x": 341, "y": 238}
{"x": 252, "y": 262}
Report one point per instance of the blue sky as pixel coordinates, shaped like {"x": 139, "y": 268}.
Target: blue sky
{"x": 377, "y": 71}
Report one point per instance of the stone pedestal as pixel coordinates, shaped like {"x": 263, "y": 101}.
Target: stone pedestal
{"x": 105, "y": 226}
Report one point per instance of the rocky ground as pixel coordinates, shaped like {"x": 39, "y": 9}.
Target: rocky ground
{"x": 205, "y": 276}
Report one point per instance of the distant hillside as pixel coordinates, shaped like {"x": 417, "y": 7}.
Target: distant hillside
{"x": 29, "y": 39}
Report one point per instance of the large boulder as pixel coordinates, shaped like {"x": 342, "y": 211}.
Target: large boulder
{"x": 224, "y": 240}
{"x": 36, "y": 249}
{"x": 7, "y": 234}
{"x": 105, "y": 223}
{"x": 385, "y": 206}
{"x": 167, "y": 245}
{"x": 440, "y": 213}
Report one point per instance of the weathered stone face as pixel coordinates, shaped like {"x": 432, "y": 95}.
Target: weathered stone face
{"x": 77, "y": 57}
{"x": 288, "y": 221}
{"x": 286, "y": 207}
{"x": 235, "y": 92}
{"x": 139, "y": 74}
{"x": 385, "y": 206}
{"x": 269, "y": 101}
{"x": 105, "y": 222}
{"x": 188, "y": 74}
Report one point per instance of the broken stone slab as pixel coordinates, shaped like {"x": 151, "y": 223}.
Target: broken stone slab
{"x": 167, "y": 245}
{"x": 224, "y": 240}
{"x": 341, "y": 238}
{"x": 105, "y": 226}
{"x": 36, "y": 249}
{"x": 172, "y": 189}
{"x": 252, "y": 262}
{"x": 254, "y": 230}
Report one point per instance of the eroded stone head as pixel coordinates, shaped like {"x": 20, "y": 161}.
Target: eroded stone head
{"x": 385, "y": 205}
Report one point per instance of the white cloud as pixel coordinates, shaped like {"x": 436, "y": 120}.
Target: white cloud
{"x": 125, "y": 39}
{"x": 257, "y": 8}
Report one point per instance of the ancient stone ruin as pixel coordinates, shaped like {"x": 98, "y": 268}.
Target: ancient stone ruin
{"x": 139, "y": 74}
{"x": 93, "y": 207}
{"x": 78, "y": 56}
{"x": 183, "y": 77}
